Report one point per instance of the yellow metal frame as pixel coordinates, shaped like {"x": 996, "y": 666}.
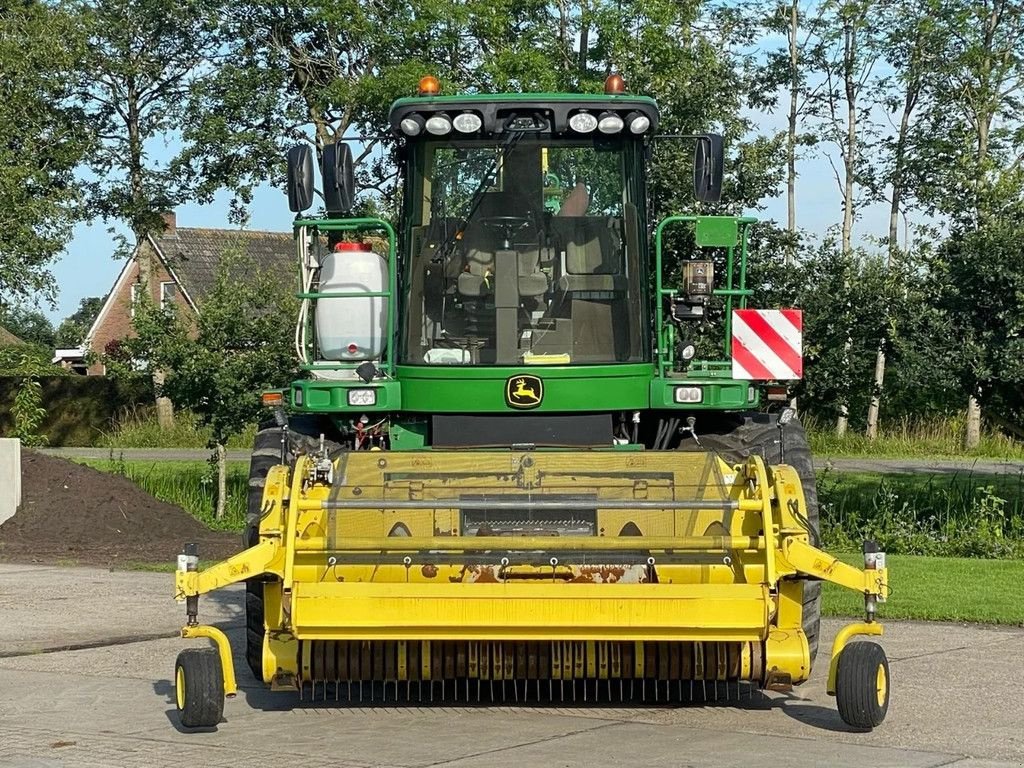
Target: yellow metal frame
{"x": 747, "y": 552}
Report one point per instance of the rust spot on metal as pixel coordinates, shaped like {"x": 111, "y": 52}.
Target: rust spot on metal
{"x": 482, "y": 574}
{"x": 429, "y": 571}
{"x": 599, "y": 574}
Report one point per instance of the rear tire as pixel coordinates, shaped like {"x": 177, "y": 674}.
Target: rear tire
{"x": 303, "y": 437}
{"x": 757, "y": 434}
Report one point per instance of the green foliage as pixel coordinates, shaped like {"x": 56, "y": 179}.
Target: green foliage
{"x": 239, "y": 345}
{"x": 28, "y": 324}
{"x": 42, "y": 141}
{"x": 981, "y": 288}
{"x": 138, "y": 428}
{"x": 72, "y": 329}
{"x": 960, "y": 514}
{"x": 27, "y": 410}
{"x": 142, "y": 59}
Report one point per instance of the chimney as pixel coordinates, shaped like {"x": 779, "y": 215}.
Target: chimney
{"x": 170, "y": 224}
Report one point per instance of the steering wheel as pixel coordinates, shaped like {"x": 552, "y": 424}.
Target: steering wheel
{"x": 509, "y": 227}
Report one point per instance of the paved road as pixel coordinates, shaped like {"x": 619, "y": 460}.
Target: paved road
{"x": 901, "y": 466}
{"x": 956, "y": 701}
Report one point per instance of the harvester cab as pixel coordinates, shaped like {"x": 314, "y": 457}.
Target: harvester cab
{"x": 507, "y": 474}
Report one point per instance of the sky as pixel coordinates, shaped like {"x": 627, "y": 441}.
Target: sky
{"x": 88, "y": 268}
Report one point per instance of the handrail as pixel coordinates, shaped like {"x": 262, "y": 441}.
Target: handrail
{"x": 387, "y": 361}
{"x": 666, "y": 331}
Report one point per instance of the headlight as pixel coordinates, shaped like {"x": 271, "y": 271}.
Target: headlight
{"x": 297, "y": 396}
{"x": 439, "y": 125}
{"x": 688, "y": 351}
{"x": 467, "y": 122}
{"x": 609, "y": 122}
{"x": 689, "y": 394}
{"x": 583, "y": 122}
{"x": 750, "y": 394}
{"x": 412, "y": 125}
{"x": 362, "y": 397}
{"x": 638, "y": 122}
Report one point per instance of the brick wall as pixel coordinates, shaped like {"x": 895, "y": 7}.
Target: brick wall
{"x": 116, "y": 322}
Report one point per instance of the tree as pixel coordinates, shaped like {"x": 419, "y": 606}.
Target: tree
{"x": 845, "y": 57}
{"x": 72, "y": 329}
{"x": 143, "y": 59}
{"x": 240, "y": 344}
{"x": 982, "y": 281}
{"x": 786, "y": 69}
{"x": 42, "y": 141}
{"x": 969, "y": 144}
{"x": 909, "y": 43}
{"x": 28, "y": 324}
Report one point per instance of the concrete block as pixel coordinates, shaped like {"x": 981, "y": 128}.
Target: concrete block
{"x": 10, "y": 477}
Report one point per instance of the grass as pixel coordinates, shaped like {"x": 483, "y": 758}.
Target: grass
{"x": 188, "y": 484}
{"x": 909, "y": 438}
{"x": 940, "y": 589}
{"x": 138, "y": 428}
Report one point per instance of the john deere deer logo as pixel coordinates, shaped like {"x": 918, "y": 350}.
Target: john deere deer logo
{"x": 524, "y": 391}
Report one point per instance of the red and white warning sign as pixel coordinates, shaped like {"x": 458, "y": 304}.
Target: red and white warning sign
{"x": 767, "y": 344}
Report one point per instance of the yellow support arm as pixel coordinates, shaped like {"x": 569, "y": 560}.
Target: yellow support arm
{"x": 804, "y": 558}
{"x": 223, "y": 649}
{"x": 264, "y": 557}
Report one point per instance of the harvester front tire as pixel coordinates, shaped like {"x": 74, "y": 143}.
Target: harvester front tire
{"x": 199, "y": 687}
{"x": 303, "y": 436}
{"x": 862, "y": 685}
{"x": 757, "y": 434}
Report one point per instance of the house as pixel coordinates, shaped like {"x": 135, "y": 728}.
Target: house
{"x": 184, "y": 268}
{"x": 8, "y": 339}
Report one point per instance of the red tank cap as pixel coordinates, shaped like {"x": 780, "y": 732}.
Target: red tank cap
{"x": 352, "y": 349}
{"x": 353, "y": 246}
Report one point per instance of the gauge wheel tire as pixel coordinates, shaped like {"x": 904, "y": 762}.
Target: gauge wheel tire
{"x": 303, "y": 437}
{"x": 199, "y": 687}
{"x": 862, "y": 685}
{"x": 757, "y": 434}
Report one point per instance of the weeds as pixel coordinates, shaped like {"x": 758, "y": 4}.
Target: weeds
{"x": 954, "y": 515}
{"x": 138, "y": 428}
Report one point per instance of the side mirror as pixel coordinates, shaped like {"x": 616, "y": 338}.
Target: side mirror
{"x": 708, "y": 167}
{"x": 339, "y": 177}
{"x": 300, "y": 178}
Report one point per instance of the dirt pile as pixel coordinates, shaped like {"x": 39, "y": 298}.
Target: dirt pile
{"x": 76, "y": 513}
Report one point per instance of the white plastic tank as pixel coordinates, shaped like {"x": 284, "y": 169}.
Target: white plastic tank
{"x": 352, "y": 328}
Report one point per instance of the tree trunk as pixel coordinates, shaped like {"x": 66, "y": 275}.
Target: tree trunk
{"x": 842, "y": 420}
{"x": 876, "y": 394}
{"x": 849, "y": 173}
{"x": 910, "y": 100}
{"x": 143, "y": 254}
{"x": 222, "y": 481}
{"x": 972, "y": 435}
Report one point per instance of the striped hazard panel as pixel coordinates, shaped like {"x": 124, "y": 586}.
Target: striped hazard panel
{"x": 767, "y": 344}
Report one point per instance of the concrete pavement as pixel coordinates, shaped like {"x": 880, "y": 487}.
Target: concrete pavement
{"x": 955, "y": 701}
